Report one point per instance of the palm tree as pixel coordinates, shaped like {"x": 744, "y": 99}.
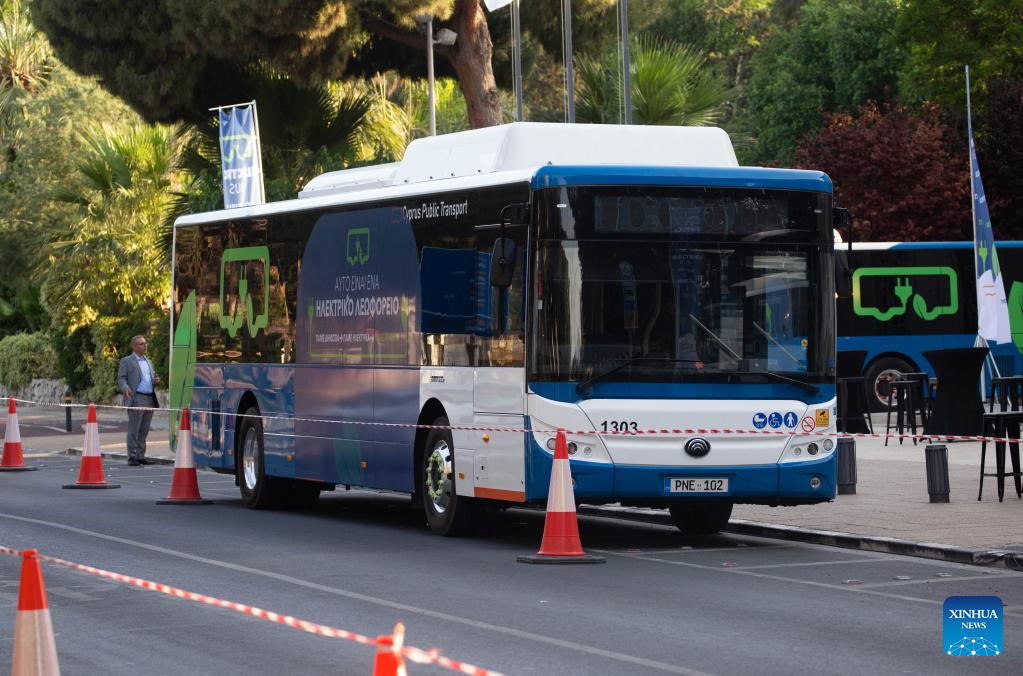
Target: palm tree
{"x": 671, "y": 84}
{"x": 24, "y": 51}
{"x": 108, "y": 262}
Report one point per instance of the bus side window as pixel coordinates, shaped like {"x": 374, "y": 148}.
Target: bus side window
{"x": 448, "y": 271}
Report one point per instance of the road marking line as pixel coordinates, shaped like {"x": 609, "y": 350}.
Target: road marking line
{"x": 904, "y": 583}
{"x": 814, "y": 563}
{"x": 858, "y": 589}
{"x": 478, "y": 624}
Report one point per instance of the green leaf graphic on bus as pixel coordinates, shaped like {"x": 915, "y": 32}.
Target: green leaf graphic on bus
{"x": 357, "y": 248}
{"x": 901, "y": 282}
{"x": 243, "y": 311}
{"x": 182, "y": 369}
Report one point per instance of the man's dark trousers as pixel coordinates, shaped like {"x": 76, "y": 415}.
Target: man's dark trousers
{"x": 138, "y": 425}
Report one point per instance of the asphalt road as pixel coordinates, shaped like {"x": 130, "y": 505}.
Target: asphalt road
{"x": 362, "y": 561}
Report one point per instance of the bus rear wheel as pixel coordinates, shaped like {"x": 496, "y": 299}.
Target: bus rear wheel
{"x": 879, "y": 375}
{"x": 258, "y": 490}
{"x": 447, "y": 513}
{"x": 701, "y": 518}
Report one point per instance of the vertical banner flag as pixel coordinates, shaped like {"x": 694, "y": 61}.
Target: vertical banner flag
{"x": 992, "y": 308}
{"x": 240, "y": 156}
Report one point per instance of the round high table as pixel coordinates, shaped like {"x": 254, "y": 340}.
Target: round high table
{"x": 957, "y": 408}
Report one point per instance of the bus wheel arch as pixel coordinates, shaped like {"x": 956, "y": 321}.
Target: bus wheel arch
{"x": 885, "y": 367}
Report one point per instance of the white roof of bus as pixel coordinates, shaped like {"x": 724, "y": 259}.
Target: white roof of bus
{"x": 498, "y": 155}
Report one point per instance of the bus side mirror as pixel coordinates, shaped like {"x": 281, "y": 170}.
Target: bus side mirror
{"x": 841, "y": 218}
{"x": 502, "y": 262}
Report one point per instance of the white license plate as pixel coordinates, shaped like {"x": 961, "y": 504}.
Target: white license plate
{"x": 698, "y": 485}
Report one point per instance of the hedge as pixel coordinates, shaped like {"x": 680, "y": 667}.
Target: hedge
{"x": 24, "y": 357}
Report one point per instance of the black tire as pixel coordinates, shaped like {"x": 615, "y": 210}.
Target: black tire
{"x": 447, "y": 513}
{"x": 258, "y": 490}
{"x": 880, "y": 371}
{"x": 701, "y": 518}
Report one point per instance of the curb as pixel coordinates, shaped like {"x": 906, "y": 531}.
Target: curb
{"x": 999, "y": 558}
{"x": 117, "y": 455}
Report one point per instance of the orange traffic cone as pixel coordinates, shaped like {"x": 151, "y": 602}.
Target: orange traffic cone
{"x": 13, "y": 460}
{"x": 90, "y": 473}
{"x": 184, "y": 484}
{"x": 35, "y": 652}
{"x": 561, "y": 542}
{"x": 388, "y": 661}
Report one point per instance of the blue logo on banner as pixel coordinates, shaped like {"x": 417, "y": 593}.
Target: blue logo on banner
{"x": 759, "y": 420}
{"x": 775, "y": 420}
{"x": 972, "y": 626}
{"x": 791, "y": 419}
{"x": 239, "y": 157}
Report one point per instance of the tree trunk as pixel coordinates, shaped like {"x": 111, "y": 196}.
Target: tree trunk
{"x": 471, "y": 59}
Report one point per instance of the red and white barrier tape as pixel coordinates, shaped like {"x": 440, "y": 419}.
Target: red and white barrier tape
{"x": 417, "y": 655}
{"x": 537, "y": 430}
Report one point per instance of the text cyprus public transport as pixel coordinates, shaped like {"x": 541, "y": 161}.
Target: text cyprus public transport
{"x": 605, "y": 280}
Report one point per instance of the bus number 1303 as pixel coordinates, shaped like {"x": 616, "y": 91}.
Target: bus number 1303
{"x": 620, "y": 426}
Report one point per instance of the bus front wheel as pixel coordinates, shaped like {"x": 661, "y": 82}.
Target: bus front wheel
{"x": 447, "y": 513}
{"x": 258, "y": 490}
{"x": 701, "y": 518}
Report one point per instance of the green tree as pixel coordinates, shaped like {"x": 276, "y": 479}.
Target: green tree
{"x": 107, "y": 262}
{"x": 174, "y": 59}
{"x": 671, "y": 84}
{"x": 945, "y": 35}
{"x": 838, "y": 56}
{"x": 304, "y": 131}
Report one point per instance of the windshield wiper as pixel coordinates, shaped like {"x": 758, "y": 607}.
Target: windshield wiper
{"x": 777, "y": 377}
{"x": 776, "y": 343}
{"x": 584, "y": 385}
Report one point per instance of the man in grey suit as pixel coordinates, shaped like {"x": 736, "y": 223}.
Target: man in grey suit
{"x": 137, "y": 380}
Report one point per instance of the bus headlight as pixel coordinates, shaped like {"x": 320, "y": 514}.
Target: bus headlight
{"x": 572, "y": 448}
{"x": 812, "y": 448}
{"x": 551, "y": 443}
{"x": 828, "y": 444}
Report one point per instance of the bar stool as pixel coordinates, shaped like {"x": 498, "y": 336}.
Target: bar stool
{"x": 902, "y": 396}
{"x": 847, "y": 411}
{"x": 1002, "y": 425}
{"x": 922, "y": 395}
{"x": 1008, "y": 392}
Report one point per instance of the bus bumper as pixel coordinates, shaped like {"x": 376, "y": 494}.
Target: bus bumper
{"x": 790, "y": 483}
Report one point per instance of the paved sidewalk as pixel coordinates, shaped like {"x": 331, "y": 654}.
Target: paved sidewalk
{"x": 891, "y": 500}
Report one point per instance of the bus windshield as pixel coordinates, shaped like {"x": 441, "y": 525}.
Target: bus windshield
{"x": 662, "y": 307}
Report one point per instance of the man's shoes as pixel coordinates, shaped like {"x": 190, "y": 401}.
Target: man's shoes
{"x": 132, "y": 462}
{"x": 146, "y": 461}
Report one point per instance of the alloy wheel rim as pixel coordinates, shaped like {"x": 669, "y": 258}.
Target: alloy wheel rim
{"x": 249, "y": 450}
{"x": 438, "y": 476}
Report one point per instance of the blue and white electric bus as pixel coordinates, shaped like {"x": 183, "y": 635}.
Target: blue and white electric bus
{"x": 601, "y": 279}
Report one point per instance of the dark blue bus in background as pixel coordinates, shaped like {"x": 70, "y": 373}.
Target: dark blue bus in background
{"x": 897, "y": 300}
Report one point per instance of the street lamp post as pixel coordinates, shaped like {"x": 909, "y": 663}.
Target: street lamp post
{"x": 444, "y": 37}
